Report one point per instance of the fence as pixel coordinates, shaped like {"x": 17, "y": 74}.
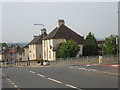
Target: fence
{"x": 85, "y": 60}
{"x": 72, "y": 61}
{"x": 26, "y": 63}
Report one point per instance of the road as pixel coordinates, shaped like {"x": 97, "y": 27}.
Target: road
{"x": 77, "y": 77}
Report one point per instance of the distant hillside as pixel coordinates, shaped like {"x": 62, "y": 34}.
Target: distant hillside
{"x": 20, "y": 44}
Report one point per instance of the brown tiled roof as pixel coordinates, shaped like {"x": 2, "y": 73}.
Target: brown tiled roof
{"x": 36, "y": 40}
{"x": 27, "y": 46}
{"x": 20, "y": 50}
{"x": 63, "y": 32}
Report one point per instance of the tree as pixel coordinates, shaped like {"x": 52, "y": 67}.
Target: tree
{"x": 67, "y": 49}
{"x": 3, "y": 45}
{"x": 90, "y": 47}
{"x": 110, "y": 45}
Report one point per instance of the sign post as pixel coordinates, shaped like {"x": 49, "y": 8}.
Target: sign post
{"x": 100, "y": 59}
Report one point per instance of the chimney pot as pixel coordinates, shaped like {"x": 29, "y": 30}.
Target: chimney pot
{"x": 35, "y": 36}
{"x": 60, "y": 22}
{"x": 43, "y": 31}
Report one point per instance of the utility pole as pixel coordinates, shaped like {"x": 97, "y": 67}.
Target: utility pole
{"x": 43, "y": 39}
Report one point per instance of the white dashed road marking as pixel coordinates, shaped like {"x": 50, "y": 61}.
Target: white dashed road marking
{"x": 12, "y": 83}
{"x": 87, "y": 65}
{"x": 70, "y": 86}
{"x": 54, "y": 80}
{"x": 32, "y": 72}
{"x": 114, "y": 65}
{"x": 15, "y": 86}
{"x": 71, "y": 67}
{"x": 41, "y": 75}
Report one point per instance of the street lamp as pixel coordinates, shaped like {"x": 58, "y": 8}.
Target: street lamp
{"x": 40, "y": 24}
{"x": 117, "y": 43}
{"x": 43, "y": 38}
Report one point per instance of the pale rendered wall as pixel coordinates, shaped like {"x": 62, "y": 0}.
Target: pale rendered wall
{"x": 38, "y": 51}
{"x": 48, "y": 54}
{"x": 0, "y": 57}
{"x": 26, "y": 54}
{"x": 35, "y": 51}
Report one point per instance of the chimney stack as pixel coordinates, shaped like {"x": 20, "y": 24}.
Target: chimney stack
{"x": 60, "y": 22}
{"x": 43, "y": 30}
{"x": 35, "y": 36}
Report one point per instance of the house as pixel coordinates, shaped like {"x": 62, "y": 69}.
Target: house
{"x": 20, "y": 53}
{"x": 12, "y": 54}
{"x": 33, "y": 50}
{"x": 3, "y": 55}
{"x": 15, "y": 53}
{"x": 26, "y": 53}
{"x": 3, "y": 52}
{"x": 60, "y": 34}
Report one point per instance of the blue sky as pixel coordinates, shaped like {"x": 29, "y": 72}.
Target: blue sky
{"x": 19, "y": 18}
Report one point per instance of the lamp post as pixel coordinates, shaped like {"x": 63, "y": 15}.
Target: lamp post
{"x": 40, "y": 24}
{"x": 43, "y": 39}
{"x": 117, "y": 43}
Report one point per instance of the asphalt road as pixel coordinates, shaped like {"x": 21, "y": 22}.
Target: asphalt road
{"x": 56, "y": 77}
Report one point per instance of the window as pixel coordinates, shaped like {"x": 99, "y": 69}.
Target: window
{"x": 20, "y": 53}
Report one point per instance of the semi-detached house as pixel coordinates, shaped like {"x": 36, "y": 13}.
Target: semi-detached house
{"x": 58, "y": 35}
{"x": 33, "y": 50}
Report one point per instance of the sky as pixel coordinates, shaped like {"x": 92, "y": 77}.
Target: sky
{"x": 0, "y": 22}
{"x": 18, "y": 18}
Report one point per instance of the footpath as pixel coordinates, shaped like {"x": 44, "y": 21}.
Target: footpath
{"x": 105, "y": 68}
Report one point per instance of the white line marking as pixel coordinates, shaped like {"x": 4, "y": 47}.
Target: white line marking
{"x": 3, "y": 74}
{"x": 115, "y": 65}
{"x": 94, "y": 70}
{"x": 12, "y": 83}
{"x": 87, "y": 65}
{"x": 76, "y": 66}
{"x": 15, "y": 86}
{"x": 79, "y": 68}
{"x": 32, "y": 72}
{"x": 7, "y": 79}
{"x": 54, "y": 80}
{"x": 71, "y": 67}
{"x": 41, "y": 75}
{"x": 70, "y": 86}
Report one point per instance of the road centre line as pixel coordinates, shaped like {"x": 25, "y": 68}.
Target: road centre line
{"x": 12, "y": 83}
{"x": 70, "y": 86}
{"x": 15, "y": 86}
{"x": 54, "y": 80}
{"x": 32, "y": 72}
{"x": 3, "y": 74}
{"x": 41, "y": 75}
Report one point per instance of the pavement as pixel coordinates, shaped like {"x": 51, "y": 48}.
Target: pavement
{"x": 71, "y": 77}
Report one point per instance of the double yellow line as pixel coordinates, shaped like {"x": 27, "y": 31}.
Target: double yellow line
{"x": 11, "y": 82}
